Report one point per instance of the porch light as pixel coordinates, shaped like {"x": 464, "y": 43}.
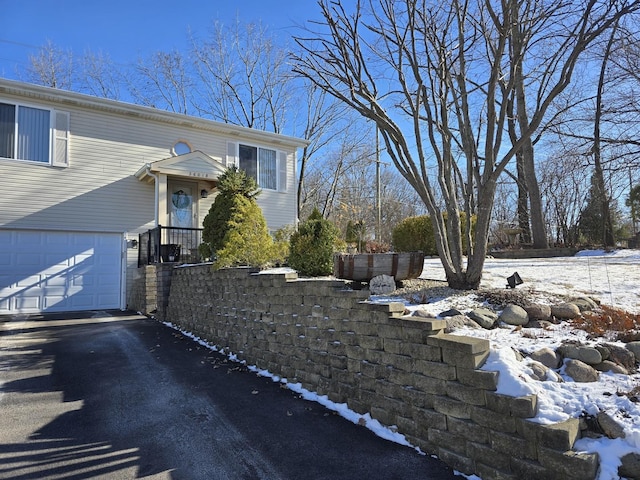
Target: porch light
{"x": 204, "y": 193}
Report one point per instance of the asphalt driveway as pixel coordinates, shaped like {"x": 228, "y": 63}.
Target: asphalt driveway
{"x": 118, "y": 396}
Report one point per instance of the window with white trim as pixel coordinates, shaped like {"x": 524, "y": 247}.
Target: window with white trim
{"x": 34, "y": 134}
{"x": 261, "y": 164}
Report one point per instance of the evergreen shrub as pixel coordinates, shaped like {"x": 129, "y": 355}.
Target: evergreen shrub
{"x": 313, "y": 245}
{"x": 416, "y": 234}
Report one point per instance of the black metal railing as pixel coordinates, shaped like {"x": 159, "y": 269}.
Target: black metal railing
{"x": 169, "y": 244}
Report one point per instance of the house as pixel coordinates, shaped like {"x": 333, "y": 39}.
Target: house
{"x": 84, "y": 179}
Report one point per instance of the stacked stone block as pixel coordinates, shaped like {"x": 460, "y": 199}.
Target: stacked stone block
{"x": 403, "y": 371}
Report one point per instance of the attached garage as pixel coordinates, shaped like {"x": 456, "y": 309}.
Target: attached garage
{"x": 50, "y": 271}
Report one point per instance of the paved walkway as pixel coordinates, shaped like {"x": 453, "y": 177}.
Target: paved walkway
{"x": 118, "y": 396}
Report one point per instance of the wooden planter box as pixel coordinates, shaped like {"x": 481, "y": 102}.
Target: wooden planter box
{"x": 362, "y": 267}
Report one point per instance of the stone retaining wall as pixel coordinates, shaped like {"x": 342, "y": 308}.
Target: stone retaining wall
{"x": 403, "y": 371}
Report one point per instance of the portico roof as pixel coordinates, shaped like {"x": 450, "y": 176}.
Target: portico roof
{"x": 193, "y": 165}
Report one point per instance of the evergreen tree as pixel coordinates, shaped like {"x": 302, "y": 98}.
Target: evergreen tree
{"x": 233, "y": 185}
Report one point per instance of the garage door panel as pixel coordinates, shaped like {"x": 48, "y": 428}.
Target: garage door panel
{"x": 60, "y": 271}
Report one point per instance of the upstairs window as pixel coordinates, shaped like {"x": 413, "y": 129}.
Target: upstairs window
{"x": 27, "y": 133}
{"x": 260, "y": 164}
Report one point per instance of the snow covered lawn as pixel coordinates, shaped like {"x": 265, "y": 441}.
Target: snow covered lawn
{"x": 612, "y": 278}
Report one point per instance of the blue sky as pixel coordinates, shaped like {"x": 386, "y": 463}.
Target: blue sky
{"x": 129, "y": 29}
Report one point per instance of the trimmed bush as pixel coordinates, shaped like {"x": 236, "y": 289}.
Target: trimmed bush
{"x": 247, "y": 240}
{"x": 216, "y": 222}
{"x": 416, "y": 234}
{"x": 313, "y": 245}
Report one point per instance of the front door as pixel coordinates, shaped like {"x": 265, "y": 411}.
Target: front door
{"x": 182, "y": 204}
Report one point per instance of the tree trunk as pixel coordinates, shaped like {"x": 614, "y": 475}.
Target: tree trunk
{"x": 607, "y": 223}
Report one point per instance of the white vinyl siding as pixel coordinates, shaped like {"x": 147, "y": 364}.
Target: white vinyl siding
{"x": 99, "y": 192}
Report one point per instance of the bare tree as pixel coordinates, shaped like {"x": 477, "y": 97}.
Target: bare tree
{"x": 52, "y": 67}
{"x": 433, "y": 74}
{"x": 244, "y": 76}
{"x": 323, "y": 121}
{"x": 163, "y": 81}
{"x": 99, "y": 75}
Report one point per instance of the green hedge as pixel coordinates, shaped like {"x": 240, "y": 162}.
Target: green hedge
{"x": 416, "y": 234}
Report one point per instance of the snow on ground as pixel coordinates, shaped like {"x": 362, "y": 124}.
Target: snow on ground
{"x": 613, "y": 278}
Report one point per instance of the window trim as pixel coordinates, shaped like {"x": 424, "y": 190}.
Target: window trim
{"x": 58, "y": 138}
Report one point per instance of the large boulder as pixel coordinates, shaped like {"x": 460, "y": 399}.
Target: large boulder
{"x": 580, "y": 371}
{"x": 588, "y": 355}
{"x": 546, "y": 356}
{"x": 537, "y": 311}
{"x": 565, "y": 311}
{"x": 634, "y": 347}
{"x": 514, "y": 315}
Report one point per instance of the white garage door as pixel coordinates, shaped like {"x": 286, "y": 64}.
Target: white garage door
{"x": 59, "y": 271}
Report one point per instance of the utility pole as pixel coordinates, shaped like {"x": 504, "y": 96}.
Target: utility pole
{"x": 378, "y": 197}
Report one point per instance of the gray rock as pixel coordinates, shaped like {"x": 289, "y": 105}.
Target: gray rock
{"x": 609, "y": 426}
{"x": 585, "y": 304}
{"x": 630, "y": 466}
{"x": 538, "y": 312}
{"x": 588, "y": 355}
{"x": 514, "y": 315}
{"x": 539, "y": 371}
{"x": 609, "y": 366}
{"x": 634, "y": 347}
{"x": 484, "y": 317}
{"x": 565, "y": 311}
{"x": 458, "y": 321}
{"x": 382, "y": 284}
{"x": 580, "y": 371}
{"x": 604, "y": 351}
{"x": 450, "y": 313}
{"x": 420, "y": 312}
{"x": 544, "y": 324}
{"x": 622, "y": 356}
{"x": 547, "y": 357}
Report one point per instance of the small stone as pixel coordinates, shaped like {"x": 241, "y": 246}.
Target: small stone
{"x": 544, "y": 324}
{"x": 609, "y": 426}
{"x": 634, "y": 347}
{"x": 580, "y": 371}
{"x": 630, "y": 466}
{"x": 538, "y": 312}
{"x": 565, "y": 311}
{"x": 547, "y": 357}
{"x": 450, "y": 313}
{"x": 382, "y": 284}
{"x": 514, "y": 315}
{"x": 609, "y": 366}
{"x": 484, "y": 317}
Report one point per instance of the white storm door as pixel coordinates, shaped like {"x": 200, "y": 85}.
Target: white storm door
{"x": 182, "y": 204}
